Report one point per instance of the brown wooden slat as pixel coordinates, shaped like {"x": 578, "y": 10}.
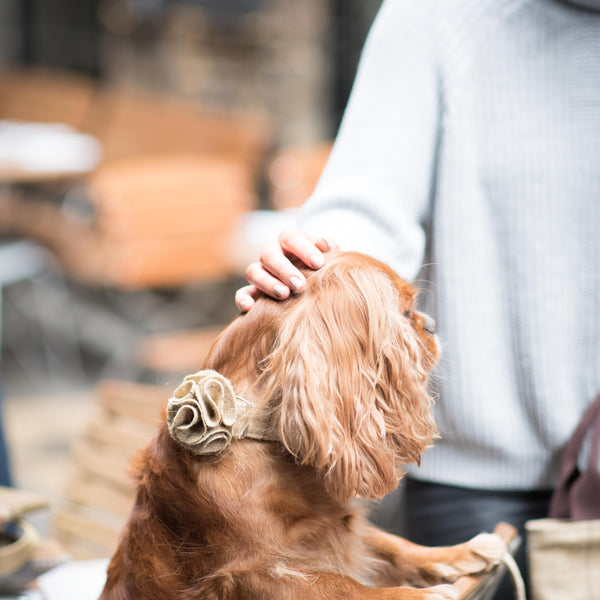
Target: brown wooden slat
{"x": 128, "y": 435}
{"x": 79, "y": 524}
{"x": 181, "y": 352}
{"x": 100, "y": 494}
{"x": 45, "y": 96}
{"x": 161, "y": 222}
{"x": 80, "y": 548}
{"x": 131, "y": 123}
{"x": 138, "y": 401}
{"x": 101, "y": 490}
{"x": 104, "y": 462}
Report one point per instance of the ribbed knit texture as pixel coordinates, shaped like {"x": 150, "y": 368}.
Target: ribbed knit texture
{"x": 479, "y": 120}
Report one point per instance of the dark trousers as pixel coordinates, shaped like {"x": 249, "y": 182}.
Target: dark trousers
{"x": 5, "y": 475}
{"x": 441, "y": 515}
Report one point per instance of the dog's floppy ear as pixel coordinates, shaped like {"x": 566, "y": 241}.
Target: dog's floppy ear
{"x": 347, "y": 373}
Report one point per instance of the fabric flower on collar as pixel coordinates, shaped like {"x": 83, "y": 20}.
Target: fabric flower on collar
{"x": 202, "y": 412}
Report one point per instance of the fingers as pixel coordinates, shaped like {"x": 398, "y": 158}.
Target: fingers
{"x": 326, "y": 245}
{"x": 276, "y": 270}
{"x": 263, "y": 280}
{"x": 245, "y": 297}
{"x": 275, "y": 274}
{"x": 299, "y": 244}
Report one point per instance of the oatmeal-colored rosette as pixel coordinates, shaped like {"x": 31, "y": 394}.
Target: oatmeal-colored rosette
{"x": 203, "y": 411}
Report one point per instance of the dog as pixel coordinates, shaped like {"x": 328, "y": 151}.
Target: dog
{"x": 255, "y": 485}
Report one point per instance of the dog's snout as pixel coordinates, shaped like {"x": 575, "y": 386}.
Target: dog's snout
{"x": 428, "y": 324}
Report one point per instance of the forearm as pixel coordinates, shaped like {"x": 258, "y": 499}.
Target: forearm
{"x": 374, "y": 194}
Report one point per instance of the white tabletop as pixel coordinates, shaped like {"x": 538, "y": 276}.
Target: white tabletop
{"x": 45, "y": 151}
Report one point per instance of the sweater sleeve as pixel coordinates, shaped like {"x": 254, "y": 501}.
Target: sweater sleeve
{"x": 375, "y": 191}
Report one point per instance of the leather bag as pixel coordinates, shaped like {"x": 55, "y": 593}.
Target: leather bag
{"x": 564, "y": 549}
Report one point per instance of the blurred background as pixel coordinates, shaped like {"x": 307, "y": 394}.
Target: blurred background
{"x": 148, "y": 148}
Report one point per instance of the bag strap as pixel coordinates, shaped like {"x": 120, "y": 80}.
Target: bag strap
{"x": 573, "y": 447}
{"x": 584, "y": 497}
{"x": 559, "y": 504}
{"x": 595, "y": 445}
{"x": 515, "y": 573}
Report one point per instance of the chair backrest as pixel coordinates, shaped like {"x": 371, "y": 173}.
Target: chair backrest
{"x": 160, "y": 221}
{"x": 173, "y": 182}
{"x": 167, "y": 220}
{"x": 40, "y": 96}
{"x": 100, "y": 490}
{"x": 130, "y": 123}
{"x": 133, "y": 123}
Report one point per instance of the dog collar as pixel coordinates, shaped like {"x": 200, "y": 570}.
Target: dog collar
{"x": 203, "y": 415}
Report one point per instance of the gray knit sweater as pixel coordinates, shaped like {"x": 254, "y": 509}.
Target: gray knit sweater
{"x": 474, "y": 125}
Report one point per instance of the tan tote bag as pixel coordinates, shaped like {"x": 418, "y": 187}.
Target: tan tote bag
{"x": 564, "y": 550}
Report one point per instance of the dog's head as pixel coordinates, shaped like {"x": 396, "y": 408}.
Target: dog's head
{"x": 341, "y": 369}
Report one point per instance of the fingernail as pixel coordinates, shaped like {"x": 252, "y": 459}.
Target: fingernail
{"x": 296, "y": 283}
{"x": 279, "y": 290}
{"x": 245, "y": 305}
{"x": 326, "y": 245}
{"x": 317, "y": 261}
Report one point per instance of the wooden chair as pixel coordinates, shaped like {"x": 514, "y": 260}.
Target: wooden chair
{"x": 99, "y": 493}
{"x": 130, "y": 123}
{"x": 159, "y": 222}
{"x": 133, "y": 123}
{"x": 37, "y": 95}
{"x": 173, "y": 182}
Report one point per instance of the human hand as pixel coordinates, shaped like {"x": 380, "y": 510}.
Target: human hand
{"x": 274, "y": 274}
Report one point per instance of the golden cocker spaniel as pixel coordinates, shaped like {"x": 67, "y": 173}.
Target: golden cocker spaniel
{"x": 254, "y": 487}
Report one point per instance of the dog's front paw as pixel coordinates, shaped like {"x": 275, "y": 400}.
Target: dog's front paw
{"x": 440, "y": 592}
{"x": 480, "y": 554}
{"x": 487, "y": 549}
